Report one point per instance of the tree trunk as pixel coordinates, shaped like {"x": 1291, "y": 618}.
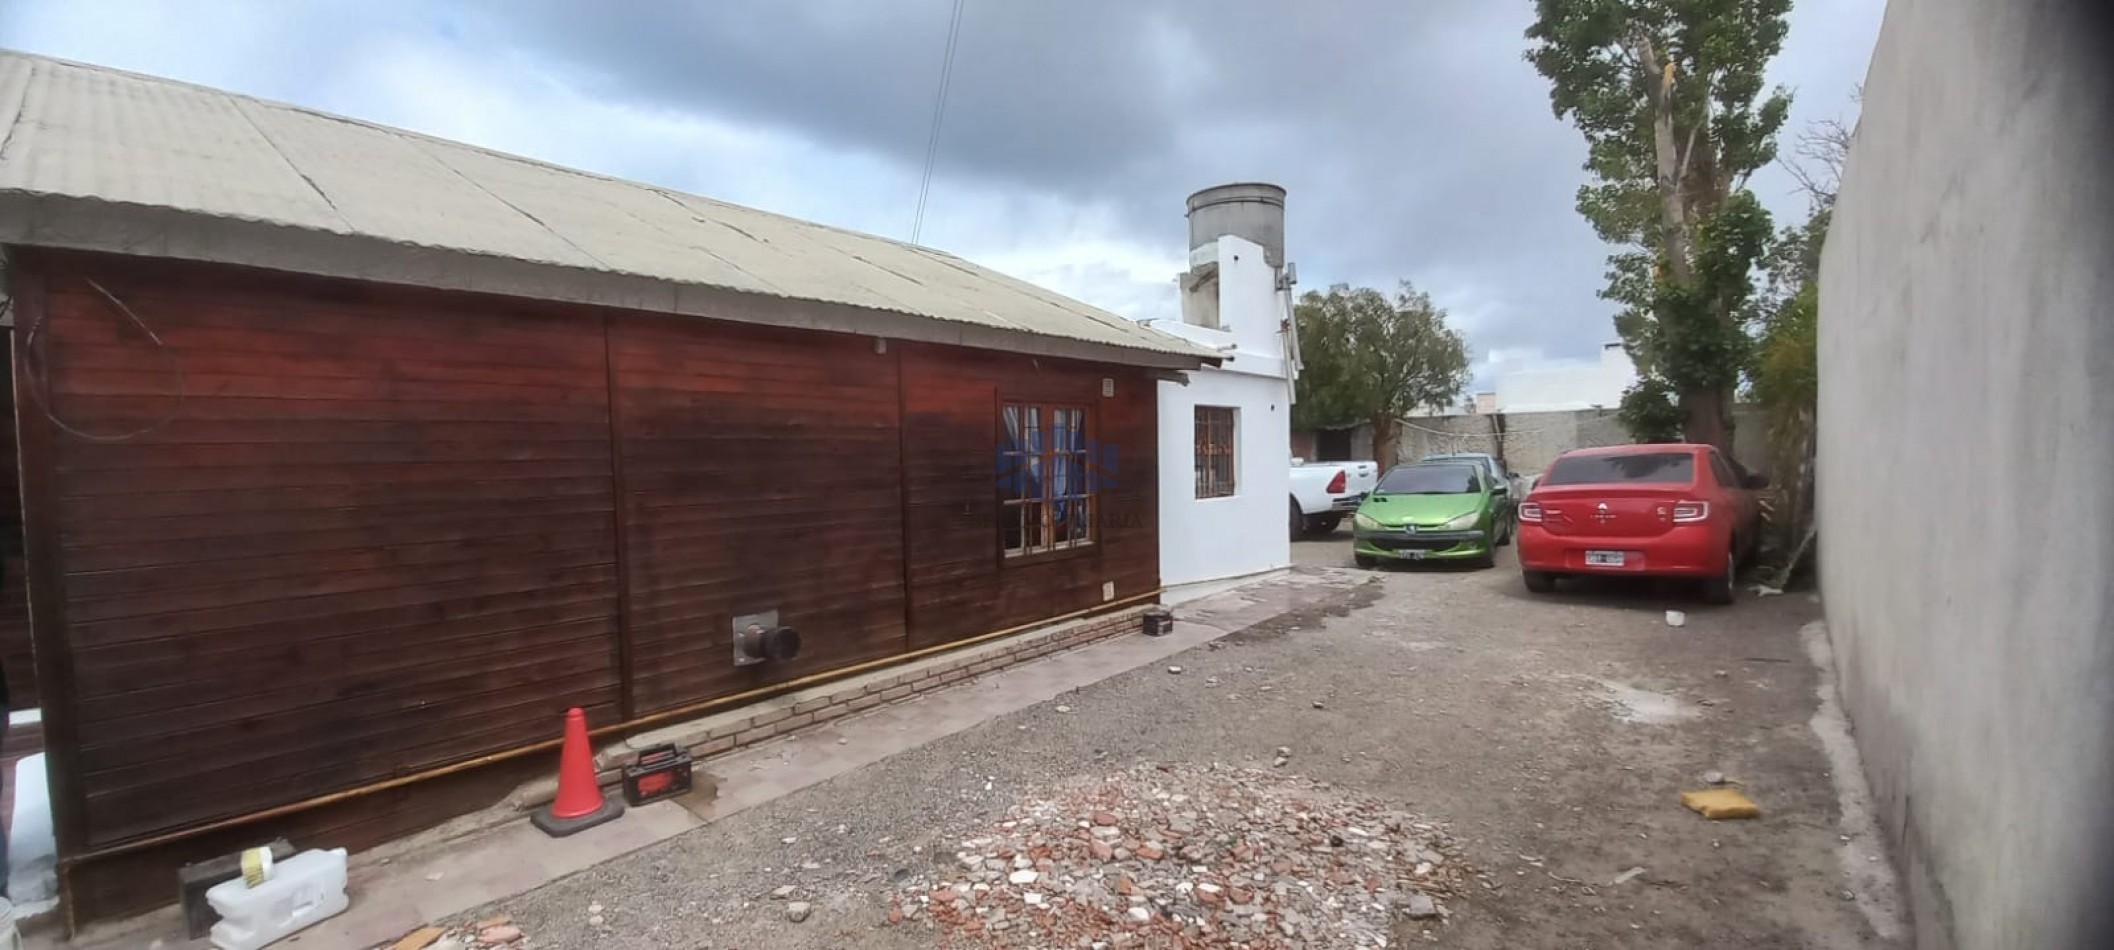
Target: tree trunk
{"x": 1387, "y": 434}
{"x": 1709, "y": 411}
{"x": 1709, "y": 419}
{"x": 1497, "y": 440}
{"x": 1666, "y": 155}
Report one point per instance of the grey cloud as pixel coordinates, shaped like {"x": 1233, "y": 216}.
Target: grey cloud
{"x": 1041, "y": 90}
{"x": 1411, "y": 136}
{"x": 1413, "y": 139}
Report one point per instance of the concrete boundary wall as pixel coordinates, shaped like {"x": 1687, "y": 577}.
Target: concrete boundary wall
{"x": 1531, "y": 441}
{"x": 1534, "y": 439}
{"x": 1966, "y": 464}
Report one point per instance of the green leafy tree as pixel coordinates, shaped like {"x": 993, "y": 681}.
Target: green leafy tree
{"x": 1369, "y": 358}
{"x": 1670, "y": 97}
{"x": 1786, "y": 372}
{"x": 1649, "y": 413}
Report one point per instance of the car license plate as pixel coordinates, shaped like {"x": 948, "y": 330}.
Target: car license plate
{"x": 1414, "y": 555}
{"x": 1604, "y": 558}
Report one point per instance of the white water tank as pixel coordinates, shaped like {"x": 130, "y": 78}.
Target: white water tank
{"x": 1251, "y": 209}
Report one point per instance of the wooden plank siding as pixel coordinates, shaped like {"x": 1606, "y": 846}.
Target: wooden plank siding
{"x": 426, "y": 574}
{"x": 376, "y": 530}
{"x": 960, "y": 585}
{"x": 762, "y": 473}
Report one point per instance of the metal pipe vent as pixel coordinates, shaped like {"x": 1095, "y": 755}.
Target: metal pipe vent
{"x": 760, "y": 638}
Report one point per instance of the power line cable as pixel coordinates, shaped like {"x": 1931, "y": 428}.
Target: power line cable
{"x": 38, "y": 383}
{"x": 939, "y": 114}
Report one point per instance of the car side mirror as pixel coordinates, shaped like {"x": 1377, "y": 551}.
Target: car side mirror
{"x": 1757, "y": 481}
{"x": 1501, "y": 488}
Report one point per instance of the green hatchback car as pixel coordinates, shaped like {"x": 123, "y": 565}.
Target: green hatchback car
{"x": 1433, "y": 511}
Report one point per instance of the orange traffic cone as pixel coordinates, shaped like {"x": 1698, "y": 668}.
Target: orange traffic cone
{"x": 580, "y": 804}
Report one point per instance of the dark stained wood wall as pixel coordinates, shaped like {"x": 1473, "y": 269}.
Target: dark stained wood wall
{"x": 382, "y": 529}
{"x": 374, "y": 534}
{"x": 761, "y": 472}
{"x": 960, "y": 586}
{"x": 17, "y": 662}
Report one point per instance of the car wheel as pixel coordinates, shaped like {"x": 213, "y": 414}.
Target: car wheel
{"x": 1366, "y": 561}
{"x": 1327, "y": 523}
{"x": 1506, "y": 529}
{"x": 1540, "y": 582}
{"x": 1299, "y": 520}
{"x": 1488, "y": 560}
{"x": 1725, "y": 589}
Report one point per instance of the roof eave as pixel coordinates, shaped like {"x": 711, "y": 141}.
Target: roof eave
{"x": 82, "y": 224}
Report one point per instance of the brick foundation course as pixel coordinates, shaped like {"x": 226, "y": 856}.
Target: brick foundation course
{"x": 767, "y": 719}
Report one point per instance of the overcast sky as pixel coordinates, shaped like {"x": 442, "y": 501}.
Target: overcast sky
{"x": 1412, "y": 138}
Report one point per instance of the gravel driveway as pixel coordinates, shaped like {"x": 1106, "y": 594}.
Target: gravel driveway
{"x": 1547, "y": 737}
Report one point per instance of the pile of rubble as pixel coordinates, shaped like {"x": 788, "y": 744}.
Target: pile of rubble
{"x": 490, "y": 932}
{"x": 1173, "y": 856}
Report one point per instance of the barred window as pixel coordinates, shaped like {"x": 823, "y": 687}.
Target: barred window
{"x": 1046, "y": 489}
{"x": 1215, "y": 455}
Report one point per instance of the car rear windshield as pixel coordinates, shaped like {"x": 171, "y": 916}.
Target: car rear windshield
{"x": 1656, "y": 468}
{"x": 1429, "y": 480}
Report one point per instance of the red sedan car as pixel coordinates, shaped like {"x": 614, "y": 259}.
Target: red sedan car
{"x": 1675, "y": 510}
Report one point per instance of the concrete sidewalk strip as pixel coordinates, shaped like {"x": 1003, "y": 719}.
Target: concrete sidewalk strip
{"x": 399, "y": 897}
{"x": 757, "y": 775}
{"x": 453, "y": 876}
{"x": 764, "y": 720}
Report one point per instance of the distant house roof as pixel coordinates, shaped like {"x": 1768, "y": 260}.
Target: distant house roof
{"x": 103, "y": 160}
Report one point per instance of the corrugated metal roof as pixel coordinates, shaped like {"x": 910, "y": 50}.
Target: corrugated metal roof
{"x": 100, "y": 159}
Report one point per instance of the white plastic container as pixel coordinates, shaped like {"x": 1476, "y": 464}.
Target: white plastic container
{"x": 303, "y": 889}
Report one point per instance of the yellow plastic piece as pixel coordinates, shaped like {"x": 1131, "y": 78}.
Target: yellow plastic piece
{"x": 256, "y": 866}
{"x": 1719, "y": 804}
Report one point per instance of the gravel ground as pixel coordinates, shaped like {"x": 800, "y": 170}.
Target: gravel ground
{"x": 1549, "y": 737}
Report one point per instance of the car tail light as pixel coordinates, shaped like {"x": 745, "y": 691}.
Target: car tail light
{"x": 1690, "y": 512}
{"x": 1530, "y": 512}
{"x": 1337, "y": 484}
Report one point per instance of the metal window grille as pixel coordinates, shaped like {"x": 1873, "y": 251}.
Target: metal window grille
{"x": 1047, "y": 489}
{"x": 1215, "y": 451}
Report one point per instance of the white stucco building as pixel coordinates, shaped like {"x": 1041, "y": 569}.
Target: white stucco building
{"x": 1569, "y": 387}
{"x": 1225, "y": 434}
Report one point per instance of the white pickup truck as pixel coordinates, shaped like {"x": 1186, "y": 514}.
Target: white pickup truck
{"x": 1325, "y": 493}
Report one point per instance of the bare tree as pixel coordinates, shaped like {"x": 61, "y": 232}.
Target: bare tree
{"x": 1817, "y": 159}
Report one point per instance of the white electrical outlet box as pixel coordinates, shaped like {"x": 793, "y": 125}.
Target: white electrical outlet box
{"x": 1108, "y": 591}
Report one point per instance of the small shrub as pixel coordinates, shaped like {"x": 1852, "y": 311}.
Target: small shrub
{"x": 1650, "y": 413}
